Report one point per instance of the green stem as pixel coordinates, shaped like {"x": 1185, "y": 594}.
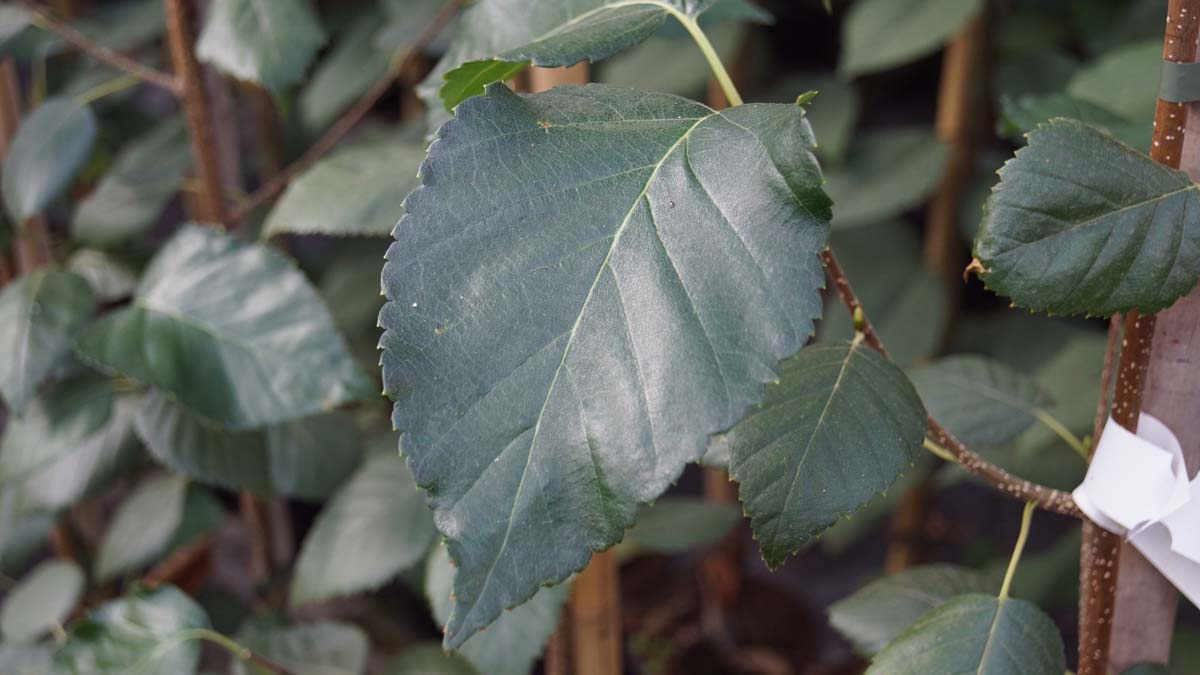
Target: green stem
{"x": 1026, "y": 519}
{"x": 105, "y": 88}
{"x": 238, "y": 652}
{"x": 1061, "y": 431}
{"x": 938, "y": 450}
{"x": 710, "y": 55}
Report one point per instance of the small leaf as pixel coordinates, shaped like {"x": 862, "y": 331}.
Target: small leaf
{"x": 1082, "y": 224}
{"x": 142, "y": 526}
{"x": 976, "y": 634}
{"x": 428, "y": 658}
{"x": 316, "y": 648}
{"x": 981, "y": 401}
{"x": 358, "y": 190}
{"x": 679, "y": 525}
{"x": 50, "y": 148}
{"x": 40, "y": 316}
{"x": 233, "y": 330}
{"x": 883, "y": 609}
{"x": 885, "y": 174}
{"x": 110, "y": 279}
{"x": 590, "y": 282}
{"x": 838, "y": 428}
{"x": 883, "y": 34}
{"x": 353, "y": 65}
{"x": 306, "y": 458}
{"x": 144, "y": 177}
{"x": 135, "y": 635}
{"x": 268, "y": 42}
{"x": 41, "y": 601}
{"x": 512, "y": 644}
{"x": 376, "y": 526}
{"x": 472, "y": 77}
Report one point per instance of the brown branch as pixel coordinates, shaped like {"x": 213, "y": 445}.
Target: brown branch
{"x": 351, "y": 117}
{"x": 42, "y": 19}
{"x": 1019, "y": 488}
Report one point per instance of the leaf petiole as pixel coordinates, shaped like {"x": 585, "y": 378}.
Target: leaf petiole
{"x": 1060, "y": 430}
{"x": 1026, "y": 519}
{"x": 710, "y": 55}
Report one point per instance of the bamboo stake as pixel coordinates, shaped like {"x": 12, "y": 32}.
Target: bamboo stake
{"x": 1146, "y": 603}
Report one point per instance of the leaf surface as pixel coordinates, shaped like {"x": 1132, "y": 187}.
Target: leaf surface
{"x": 980, "y": 400}
{"x": 590, "y": 282}
{"x": 376, "y": 526}
{"x": 837, "y": 429}
{"x": 678, "y": 524}
{"x": 268, "y": 42}
{"x": 885, "y": 174}
{"x": 142, "y": 526}
{"x": 882, "y": 34}
{"x": 315, "y": 648}
{"x": 232, "y": 330}
{"x": 40, "y": 315}
{"x": 976, "y": 634}
{"x": 41, "y": 601}
{"x": 50, "y": 148}
{"x": 1083, "y": 224}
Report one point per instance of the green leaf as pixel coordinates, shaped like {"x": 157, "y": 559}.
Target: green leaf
{"x": 590, "y": 282}
{"x": 403, "y": 22}
{"x": 982, "y": 401}
{"x": 1082, "y": 224}
{"x": 885, "y": 174}
{"x": 837, "y": 429}
{"x": 316, "y": 648}
{"x": 875, "y": 614}
{"x": 135, "y": 635}
{"x": 976, "y": 634}
{"x": 428, "y": 658}
{"x": 1024, "y": 114}
{"x": 883, "y": 34}
{"x": 233, "y": 330}
{"x": 679, "y": 525}
{"x": 110, "y": 279}
{"x": 144, "y": 177}
{"x": 50, "y": 148}
{"x": 142, "y": 526}
{"x": 498, "y": 39}
{"x": 1124, "y": 81}
{"x": 353, "y": 65}
{"x": 833, "y": 113}
{"x": 40, "y": 315}
{"x": 909, "y": 307}
{"x": 268, "y": 42}
{"x": 70, "y": 440}
{"x": 41, "y": 601}
{"x": 358, "y": 190}
{"x": 122, "y": 26}
{"x": 512, "y": 644}
{"x": 376, "y": 526}
{"x": 306, "y": 458}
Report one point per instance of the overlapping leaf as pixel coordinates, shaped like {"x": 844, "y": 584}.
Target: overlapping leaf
{"x": 1082, "y": 224}
{"x": 40, "y": 315}
{"x": 41, "y": 601}
{"x": 232, "y": 330}
{"x": 50, "y": 147}
{"x": 838, "y": 428}
{"x": 982, "y": 401}
{"x": 976, "y": 634}
{"x": 268, "y": 42}
{"x": 142, "y": 526}
{"x": 590, "y": 282}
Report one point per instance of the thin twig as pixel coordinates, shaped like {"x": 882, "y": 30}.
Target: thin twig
{"x": 351, "y": 117}
{"x": 1046, "y": 498}
{"x": 145, "y": 73}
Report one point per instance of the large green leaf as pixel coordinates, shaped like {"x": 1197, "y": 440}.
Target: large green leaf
{"x": 41, "y": 601}
{"x": 883, "y": 34}
{"x": 316, "y": 648}
{"x": 232, "y": 330}
{"x": 833, "y": 113}
{"x": 680, "y": 524}
{"x": 883, "y": 609}
{"x": 50, "y": 147}
{"x": 268, "y": 42}
{"x": 306, "y": 458}
{"x": 40, "y": 315}
{"x": 375, "y": 527}
{"x": 1124, "y": 81}
{"x": 885, "y": 174}
{"x": 512, "y": 644}
{"x": 359, "y": 189}
{"x": 142, "y": 526}
{"x": 909, "y": 306}
{"x": 976, "y": 634}
{"x": 70, "y": 440}
{"x": 499, "y": 38}
{"x": 590, "y": 282}
{"x": 838, "y": 428}
{"x": 1082, "y": 224}
{"x": 982, "y": 401}
{"x": 135, "y": 635}
{"x": 144, "y": 177}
